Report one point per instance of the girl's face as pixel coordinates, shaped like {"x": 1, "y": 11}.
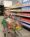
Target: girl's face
{"x": 7, "y": 12}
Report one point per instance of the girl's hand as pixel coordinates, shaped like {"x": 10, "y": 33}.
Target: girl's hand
{"x": 4, "y": 30}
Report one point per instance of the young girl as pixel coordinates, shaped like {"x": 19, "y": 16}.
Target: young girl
{"x": 4, "y": 22}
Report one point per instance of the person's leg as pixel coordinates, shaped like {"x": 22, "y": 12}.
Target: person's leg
{"x": 6, "y": 32}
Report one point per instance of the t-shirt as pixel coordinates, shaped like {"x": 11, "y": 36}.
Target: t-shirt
{"x": 4, "y": 23}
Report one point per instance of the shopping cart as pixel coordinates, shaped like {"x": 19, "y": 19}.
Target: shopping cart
{"x": 11, "y": 31}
